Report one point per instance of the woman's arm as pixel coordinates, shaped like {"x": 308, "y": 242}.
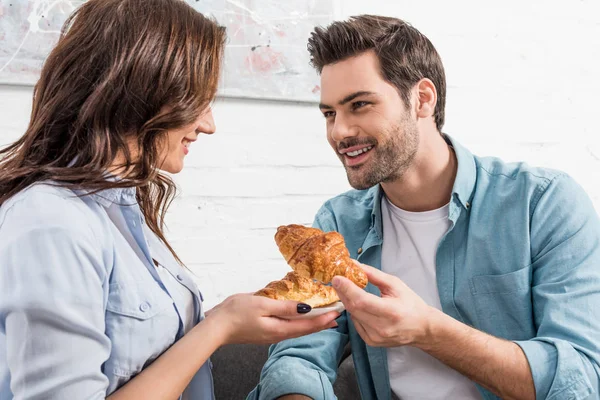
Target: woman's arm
{"x": 168, "y": 376}
{"x": 239, "y": 319}
{"x": 51, "y": 304}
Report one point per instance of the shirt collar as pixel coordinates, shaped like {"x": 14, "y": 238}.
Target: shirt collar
{"x": 464, "y": 183}
{"x": 466, "y": 174}
{"x": 107, "y": 197}
{"x": 120, "y": 196}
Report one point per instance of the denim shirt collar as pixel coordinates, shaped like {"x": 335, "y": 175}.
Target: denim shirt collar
{"x": 466, "y": 174}
{"x": 462, "y": 190}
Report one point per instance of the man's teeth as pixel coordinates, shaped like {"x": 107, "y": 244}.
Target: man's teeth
{"x": 359, "y": 151}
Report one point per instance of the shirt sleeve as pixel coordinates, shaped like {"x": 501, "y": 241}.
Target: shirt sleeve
{"x": 565, "y": 240}
{"x": 306, "y": 365}
{"x": 52, "y": 304}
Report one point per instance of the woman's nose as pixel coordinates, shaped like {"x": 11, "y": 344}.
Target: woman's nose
{"x": 206, "y": 124}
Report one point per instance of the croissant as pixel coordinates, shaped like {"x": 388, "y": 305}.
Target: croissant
{"x": 315, "y": 254}
{"x": 297, "y": 288}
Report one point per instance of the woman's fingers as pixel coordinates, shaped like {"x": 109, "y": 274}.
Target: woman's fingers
{"x": 285, "y": 329}
{"x": 283, "y": 309}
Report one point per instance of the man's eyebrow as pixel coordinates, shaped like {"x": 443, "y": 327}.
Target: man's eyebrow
{"x": 346, "y": 99}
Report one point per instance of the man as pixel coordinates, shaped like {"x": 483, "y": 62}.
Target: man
{"x": 486, "y": 278}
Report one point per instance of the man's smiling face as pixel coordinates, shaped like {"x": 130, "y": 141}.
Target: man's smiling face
{"x": 368, "y": 125}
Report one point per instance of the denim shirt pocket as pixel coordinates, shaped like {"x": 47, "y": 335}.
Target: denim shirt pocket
{"x": 141, "y": 323}
{"x": 503, "y": 304}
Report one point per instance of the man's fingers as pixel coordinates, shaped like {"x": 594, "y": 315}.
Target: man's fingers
{"x": 362, "y": 332}
{"x": 385, "y": 282}
{"x": 346, "y": 289}
{"x": 356, "y": 299}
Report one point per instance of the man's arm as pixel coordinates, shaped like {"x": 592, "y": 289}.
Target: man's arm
{"x": 400, "y": 317}
{"x": 496, "y": 364}
{"x": 561, "y": 361}
{"x": 565, "y": 243}
{"x": 306, "y": 366}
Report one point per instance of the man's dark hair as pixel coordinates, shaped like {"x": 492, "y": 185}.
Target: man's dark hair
{"x": 405, "y": 55}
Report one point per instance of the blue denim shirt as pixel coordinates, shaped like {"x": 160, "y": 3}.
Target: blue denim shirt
{"x": 80, "y": 312}
{"x": 520, "y": 261}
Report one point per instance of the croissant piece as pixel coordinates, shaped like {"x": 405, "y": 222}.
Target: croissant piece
{"x": 297, "y": 288}
{"x": 315, "y": 254}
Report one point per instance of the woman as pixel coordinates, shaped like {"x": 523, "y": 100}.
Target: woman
{"x": 93, "y": 300}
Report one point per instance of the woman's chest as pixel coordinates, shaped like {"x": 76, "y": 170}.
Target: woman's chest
{"x": 143, "y": 319}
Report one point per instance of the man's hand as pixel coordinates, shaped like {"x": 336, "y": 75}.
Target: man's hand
{"x": 399, "y": 317}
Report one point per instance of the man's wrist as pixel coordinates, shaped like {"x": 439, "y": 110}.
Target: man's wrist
{"x": 436, "y": 323}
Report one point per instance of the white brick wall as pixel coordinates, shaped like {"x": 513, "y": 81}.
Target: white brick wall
{"x": 523, "y": 85}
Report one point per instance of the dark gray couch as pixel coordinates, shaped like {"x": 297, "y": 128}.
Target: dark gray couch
{"x": 236, "y": 371}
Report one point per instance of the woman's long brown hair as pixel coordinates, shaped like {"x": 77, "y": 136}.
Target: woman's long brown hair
{"x": 123, "y": 71}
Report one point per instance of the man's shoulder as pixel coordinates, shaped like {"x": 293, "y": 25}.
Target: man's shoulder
{"x": 496, "y": 173}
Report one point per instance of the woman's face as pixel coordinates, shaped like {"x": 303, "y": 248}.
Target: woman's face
{"x": 178, "y": 142}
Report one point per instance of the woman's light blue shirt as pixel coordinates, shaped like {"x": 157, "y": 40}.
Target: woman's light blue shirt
{"x": 80, "y": 312}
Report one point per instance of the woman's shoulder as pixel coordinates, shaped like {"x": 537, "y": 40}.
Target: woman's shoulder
{"x": 44, "y": 199}
{"x": 48, "y": 205}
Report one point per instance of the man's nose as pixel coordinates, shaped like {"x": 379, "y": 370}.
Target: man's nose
{"x": 342, "y": 129}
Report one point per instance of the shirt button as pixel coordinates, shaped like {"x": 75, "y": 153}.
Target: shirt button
{"x": 359, "y": 250}
{"x": 179, "y": 277}
{"x": 467, "y": 204}
{"x": 144, "y": 306}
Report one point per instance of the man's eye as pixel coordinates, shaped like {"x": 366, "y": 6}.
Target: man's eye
{"x": 358, "y": 104}
{"x": 328, "y": 114}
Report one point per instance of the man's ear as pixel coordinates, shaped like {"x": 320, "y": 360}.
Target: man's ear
{"x": 426, "y": 98}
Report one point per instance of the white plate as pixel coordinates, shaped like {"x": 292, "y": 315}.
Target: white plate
{"x": 315, "y": 312}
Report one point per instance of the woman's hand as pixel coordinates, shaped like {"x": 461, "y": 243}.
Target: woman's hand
{"x": 244, "y": 318}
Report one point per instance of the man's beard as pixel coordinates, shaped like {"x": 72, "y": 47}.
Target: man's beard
{"x": 390, "y": 159}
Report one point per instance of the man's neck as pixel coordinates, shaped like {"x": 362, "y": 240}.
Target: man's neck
{"x": 427, "y": 184}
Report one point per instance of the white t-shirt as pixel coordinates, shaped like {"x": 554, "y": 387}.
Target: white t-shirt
{"x": 409, "y": 248}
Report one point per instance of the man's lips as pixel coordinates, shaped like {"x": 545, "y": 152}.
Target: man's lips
{"x": 356, "y": 155}
{"x": 355, "y": 148}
